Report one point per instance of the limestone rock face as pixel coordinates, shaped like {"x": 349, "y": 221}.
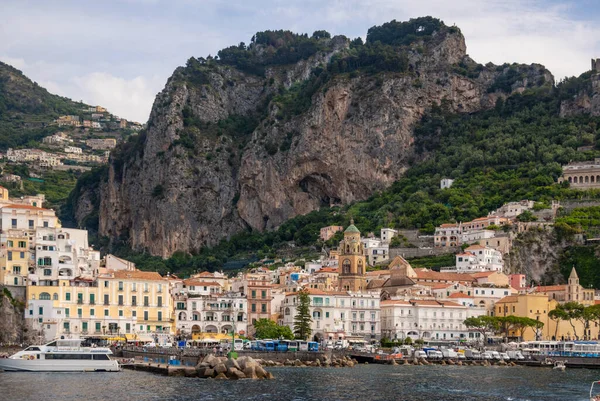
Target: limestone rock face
{"x": 587, "y": 101}
{"x": 190, "y": 181}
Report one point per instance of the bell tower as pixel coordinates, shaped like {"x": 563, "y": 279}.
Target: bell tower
{"x": 351, "y": 261}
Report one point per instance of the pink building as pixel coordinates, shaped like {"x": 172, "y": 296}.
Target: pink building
{"x": 329, "y": 231}
{"x": 517, "y": 281}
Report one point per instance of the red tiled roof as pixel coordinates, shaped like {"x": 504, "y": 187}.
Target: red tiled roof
{"x": 425, "y": 274}
{"x": 548, "y": 288}
{"x": 459, "y": 295}
{"x": 200, "y": 283}
{"x": 137, "y": 275}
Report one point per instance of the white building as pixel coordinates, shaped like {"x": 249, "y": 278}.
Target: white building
{"x": 375, "y": 250}
{"x": 468, "y": 237}
{"x": 513, "y": 209}
{"x": 426, "y": 319}
{"x": 215, "y": 313}
{"x": 446, "y": 183}
{"x": 387, "y": 234}
{"x": 477, "y": 258}
{"x": 73, "y": 149}
{"x": 337, "y": 315}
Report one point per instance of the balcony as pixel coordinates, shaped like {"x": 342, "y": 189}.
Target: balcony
{"x": 80, "y": 302}
{"x": 92, "y": 302}
{"x": 133, "y": 303}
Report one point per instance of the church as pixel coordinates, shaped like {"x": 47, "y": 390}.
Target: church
{"x": 352, "y": 262}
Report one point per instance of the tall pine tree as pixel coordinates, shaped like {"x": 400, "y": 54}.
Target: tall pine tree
{"x": 302, "y": 320}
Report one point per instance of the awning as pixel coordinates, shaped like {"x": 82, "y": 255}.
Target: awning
{"x": 136, "y": 337}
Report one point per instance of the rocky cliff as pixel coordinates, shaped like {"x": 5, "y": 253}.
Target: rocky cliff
{"x": 13, "y": 327}
{"x": 584, "y": 96}
{"x": 244, "y": 144}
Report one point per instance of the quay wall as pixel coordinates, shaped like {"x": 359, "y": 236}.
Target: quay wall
{"x": 191, "y": 357}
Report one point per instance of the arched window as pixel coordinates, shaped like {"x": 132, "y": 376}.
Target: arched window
{"x": 287, "y": 311}
{"x": 570, "y": 179}
{"x": 592, "y": 178}
{"x": 346, "y": 266}
{"x": 587, "y": 179}
{"x": 581, "y": 179}
{"x": 55, "y": 297}
{"x": 360, "y": 267}
{"x": 44, "y": 296}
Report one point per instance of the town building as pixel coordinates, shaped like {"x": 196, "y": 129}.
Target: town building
{"x": 337, "y": 315}
{"x": 447, "y": 235}
{"x": 327, "y": 232}
{"x": 537, "y": 307}
{"x": 387, "y": 234}
{"x": 570, "y": 292}
{"x": 73, "y": 149}
{"x": 582, "y": 175}
{"x": 133, "y": 304}
{"x": 477, "y": 258}
{"x": 426, "y": 319}
{"x": 376, "y": 251}
{"x": 258, "y": 292}
{"x": 101, "y": 144}
{"x": 352, "y": 261}
{"x": 446, "y": 183}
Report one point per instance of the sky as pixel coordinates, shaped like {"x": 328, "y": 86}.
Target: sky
{"x": 120, "y": 53}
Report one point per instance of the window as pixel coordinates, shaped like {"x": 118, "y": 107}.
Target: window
{"x": 9, "y": 243}
{"x": 92, "y": 299}
{"x": 263, "y": 294}
{"x": 92, "y": 312}
{"x": 326, "y": 314}
{"x": 67, "y": 312}
{"x": 16, "y": 269}
{"x": 253, "y": 294}
{"x": 105, "y": 312}
{"x": 133, "y": 313}
{"x": 9, "y": 253}
{"x": 41, "y": 310}
{"x": 66, "y": 326}
{"x": 145, "y": 315}
{"x": 159, "y": 303}
{"x": 120, "y": 300}
{"x": 105, "y": 284}
{"x": 106, "y": 299}
{"x": 263, "y": 308}
{"x": 44, "y": 296}
{"x": 120, "y": 286}
{"x": 55, "y": 297}
{"x": 159, "y": 288}
{"x": 22, "y": 255}
{"x": 13, "y": 222}
{"x": 84, "y": 326}
{"x": 31, "y": 224}
{"x": 159, "y": 316}
{"x": 98, "y": 327}
{"x": 146, "y": 303}
{"x": 120, "y": 313}
{"x": 253, "y": 307}
{"x": 145, "y": 287}
{"x": 47, "y": 272}
{"x": 46, "y": 224}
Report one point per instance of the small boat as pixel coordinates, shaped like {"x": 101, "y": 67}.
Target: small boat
{"x": 65, "y": 355}
{"x": 559, "y": 365}
{"x": 592, "y": 396}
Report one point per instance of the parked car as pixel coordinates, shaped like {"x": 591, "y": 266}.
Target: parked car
{"x": 487, "y": 355}
{"x": 434, "y": 354}
{"x": 473, "y": 354}
{"x": 496, "y": 355}
{"x": 449, "y": 353}
{"x": 504, "y": 356}
{"x": 420, "y": 354}
{"x": 516, "y": 355}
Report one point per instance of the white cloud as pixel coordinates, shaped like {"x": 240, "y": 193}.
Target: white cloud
{"x": 119, "y": 53}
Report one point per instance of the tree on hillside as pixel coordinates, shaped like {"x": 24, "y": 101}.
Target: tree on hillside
{"x": 483, "y": 325}
{"x": 302, "y": 320}
{"x": 266, "y": 328}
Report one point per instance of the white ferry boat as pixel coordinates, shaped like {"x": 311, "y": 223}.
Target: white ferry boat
{"x": 65, "y": 355}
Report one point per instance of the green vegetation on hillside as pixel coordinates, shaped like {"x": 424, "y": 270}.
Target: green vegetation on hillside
{"x": 26, "y": 109}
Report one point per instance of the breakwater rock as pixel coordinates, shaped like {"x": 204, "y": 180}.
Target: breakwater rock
{"x": 244, "y": 367}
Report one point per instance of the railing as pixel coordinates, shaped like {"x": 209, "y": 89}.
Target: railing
{"x": 80, "y": 302}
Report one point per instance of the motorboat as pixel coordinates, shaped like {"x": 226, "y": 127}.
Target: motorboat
{"x": 64, "y": 355}
{"x": 559, "y": 365}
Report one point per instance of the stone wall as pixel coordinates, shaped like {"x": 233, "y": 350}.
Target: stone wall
{"x": 420, "y": 252}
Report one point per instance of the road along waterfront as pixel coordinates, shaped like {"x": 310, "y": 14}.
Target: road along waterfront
{"x": 372, "y": 382}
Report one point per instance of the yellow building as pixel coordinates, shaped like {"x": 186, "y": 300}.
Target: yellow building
{"x": 351, "y": 261}
{"x": 134, "y": 303}
{"x": 537, "y": 306}
{"x": 3, "y": 194}
{"x": 14, "y": 259}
